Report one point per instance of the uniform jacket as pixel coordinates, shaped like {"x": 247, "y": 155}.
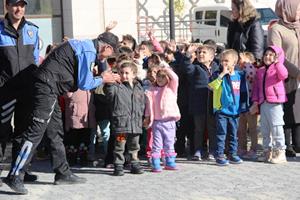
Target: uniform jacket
{"x": 79, "y": 110}
{"x": 272, "y": 89}
{"x": 86, "y": 55}
{"x": 16, "y": 47}
{"x": 127, "y": 105}
{"x": 167, "y": 96}
{"x": 70, "y": 66}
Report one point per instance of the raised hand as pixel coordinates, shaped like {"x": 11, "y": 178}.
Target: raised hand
{"x": 111, "y": 25}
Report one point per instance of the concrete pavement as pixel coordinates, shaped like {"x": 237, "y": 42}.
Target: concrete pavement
{"x": 194, "y": 180}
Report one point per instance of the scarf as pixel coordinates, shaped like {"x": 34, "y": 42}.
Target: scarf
{"x": 288, "y": 12}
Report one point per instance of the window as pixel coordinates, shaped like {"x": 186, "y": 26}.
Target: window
{"x": 225, "y": 18}
{"x": 211, "y": 17}
{"x": 266, "y": 15}
{"x": 1, "y": 7}
{"x": 198, "y": 17}
{"x": 43, "y": 7}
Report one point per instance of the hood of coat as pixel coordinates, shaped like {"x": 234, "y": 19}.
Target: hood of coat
{"x": 279, "y": 52}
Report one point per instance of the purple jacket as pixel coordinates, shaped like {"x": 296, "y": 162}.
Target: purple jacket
{"x": 276, "y": 73}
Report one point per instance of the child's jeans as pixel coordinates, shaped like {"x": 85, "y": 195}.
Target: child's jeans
{"x": 226, "y": 125}
{"x": 105, "y": 133}
{"x": 164, "y": 133}
{"x": 247, "y": 122}
{"x": 271, "y": 120}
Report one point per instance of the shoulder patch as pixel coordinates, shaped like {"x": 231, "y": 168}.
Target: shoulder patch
{"x": 30, "y": 33}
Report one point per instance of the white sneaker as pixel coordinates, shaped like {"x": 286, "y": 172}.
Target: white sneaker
{"x": 197, "y": 155}
{"x": 278, "y": 157}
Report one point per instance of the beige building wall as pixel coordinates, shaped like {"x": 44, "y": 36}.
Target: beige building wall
{"x": 125, "y": 13}
{"x": 87, "y": 20}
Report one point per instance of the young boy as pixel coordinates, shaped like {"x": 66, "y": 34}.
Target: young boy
{"x": 127, "y": 103}
{"x": 201, "y": 100}
{"x": 230, "y": 98}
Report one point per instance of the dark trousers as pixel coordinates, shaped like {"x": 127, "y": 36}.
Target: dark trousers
{"x": 226, "y": 125}
{"x": 292, "y": 136}
{"x": 132, "y": 143}
{"x": 291, "y": 128}
{"x": 15, "y": 97}
{"x": 46, "y": 113}
{"x": 109, "y": 157}
{"x": 203, "y": 124}
{"x": 185, "y": 129}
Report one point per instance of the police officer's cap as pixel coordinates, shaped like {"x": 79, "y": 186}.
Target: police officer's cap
{"x": 15, "y": 1}
{"x": 109, "y": 38}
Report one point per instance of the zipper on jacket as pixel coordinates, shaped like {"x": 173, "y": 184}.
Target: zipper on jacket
{"x": 276, "y": 93}
{"x": 17, "y": 46}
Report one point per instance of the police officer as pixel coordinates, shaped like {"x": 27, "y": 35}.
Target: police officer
{"x": 68, "y": 67}
{"x": 19, "y": 55}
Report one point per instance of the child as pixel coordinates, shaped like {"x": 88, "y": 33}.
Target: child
{"x": 269, "y": 94}
{"x": 161, "y": 114}
{"x": 201, "y": 100}
{"x": 79, "y": 120}
{"x": 229, "y": 100}
{"x": 147, "y": 84}
{"x": 127, "y": 103}
{"x": 247, "y": 121}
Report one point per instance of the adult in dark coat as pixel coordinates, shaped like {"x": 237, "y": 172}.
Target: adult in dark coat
{"x": 245, "y": 32}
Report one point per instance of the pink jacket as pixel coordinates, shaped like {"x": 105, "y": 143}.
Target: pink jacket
{"x": 166, "y": 97}
{"x": 79, "y": 110}
{"x": 274, "y": 81}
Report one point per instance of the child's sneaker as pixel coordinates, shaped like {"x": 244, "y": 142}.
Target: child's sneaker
{"x": 251, "y": 155}
{"x": 278, "y": 157}
{"x": 242, "y": 152}
{"x": 197, "y": 156}
{"x": 119, "y": 171}
{"x": 266, "y": 156}
{"x": 210, "y": 157}
{"x": 221, "y": 161}
{"x": 235, "y": 159}
{"x": 136, "y": 169}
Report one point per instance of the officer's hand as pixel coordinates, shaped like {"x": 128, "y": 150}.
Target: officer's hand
{"x": 108, "y": 77}
{"x": 117, "y": 77}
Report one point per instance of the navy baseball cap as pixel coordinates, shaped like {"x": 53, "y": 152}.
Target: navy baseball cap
{"x": 110, "y": 39}
{"x": 16, "y": 1}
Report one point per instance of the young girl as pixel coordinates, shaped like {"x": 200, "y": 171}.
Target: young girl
{"x": 269, "y": 93}
{"x": 247, "y": 121}
{"x": 161, "y": 114}
{"x": 127, "y": 103}
{"x": 153, "y": 66}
